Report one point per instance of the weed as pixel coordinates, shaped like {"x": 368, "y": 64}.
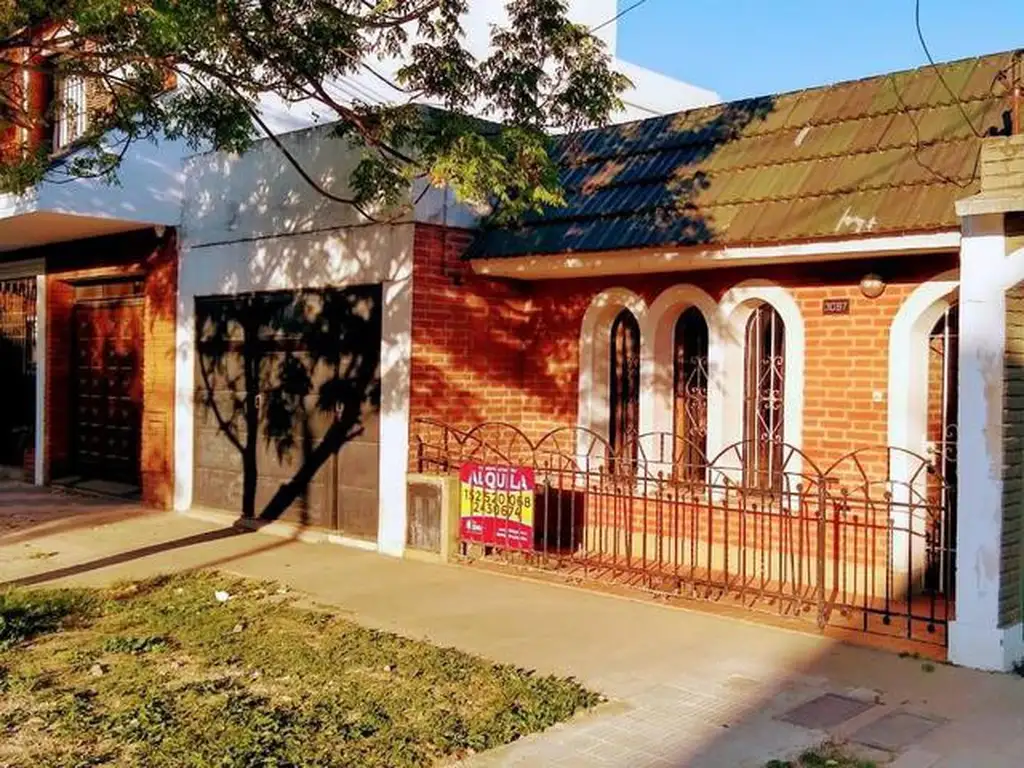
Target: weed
{"x": 136, "y": 645}
{"x": 828, "y": 755}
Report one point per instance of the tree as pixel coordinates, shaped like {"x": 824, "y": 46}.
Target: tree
{"x": 225, "y": 55}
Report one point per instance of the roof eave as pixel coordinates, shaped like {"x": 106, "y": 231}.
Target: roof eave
{"x": 687, "y": 259}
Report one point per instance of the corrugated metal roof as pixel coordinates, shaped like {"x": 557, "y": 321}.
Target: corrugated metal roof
{"x": 882, "y": 155}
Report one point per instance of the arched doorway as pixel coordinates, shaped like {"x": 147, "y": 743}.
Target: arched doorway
{"x": 941, "y": 443}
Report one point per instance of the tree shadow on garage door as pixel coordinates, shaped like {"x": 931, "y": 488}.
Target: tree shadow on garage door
{"x": 287, "y": 406}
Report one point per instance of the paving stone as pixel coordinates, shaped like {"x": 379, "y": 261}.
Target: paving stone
{"x": 896, "y": 730}
{"x": 826, "y": 712}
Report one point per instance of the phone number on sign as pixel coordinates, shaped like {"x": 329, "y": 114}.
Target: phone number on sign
{"x": 480, "y": 501}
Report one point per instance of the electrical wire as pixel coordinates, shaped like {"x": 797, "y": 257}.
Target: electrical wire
{"x": 938, "y": 71}
{"x": 618, "y": 16}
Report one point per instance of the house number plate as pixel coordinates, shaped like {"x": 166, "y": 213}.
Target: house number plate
{"x": 835, "y": 307}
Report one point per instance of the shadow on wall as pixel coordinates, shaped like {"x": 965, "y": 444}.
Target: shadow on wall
{"x": 288, "y": 370}
{"x": 288, "y": 380}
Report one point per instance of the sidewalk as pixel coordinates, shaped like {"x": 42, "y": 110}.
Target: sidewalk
{"x": 687, "y": 688}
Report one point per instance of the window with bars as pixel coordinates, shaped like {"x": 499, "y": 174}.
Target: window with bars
{"x": 764, "y": 396}
{"x": 624, "y": 385}
{"x": 690, "y": 386}
{"x": 70, "y": 110}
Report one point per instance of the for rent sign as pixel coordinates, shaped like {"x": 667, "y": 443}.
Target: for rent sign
{"x": 497, "y": 505}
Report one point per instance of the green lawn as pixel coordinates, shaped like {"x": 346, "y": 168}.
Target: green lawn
{"x": 163, "y": 673}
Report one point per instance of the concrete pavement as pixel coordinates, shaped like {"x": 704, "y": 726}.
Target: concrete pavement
{"x": 686, "y": 688}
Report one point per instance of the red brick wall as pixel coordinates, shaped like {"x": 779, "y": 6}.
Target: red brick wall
{"x": 159, "y": 326}
{"x": 468, "y": 335}
{"x": 492, "y": 350}
{"x": 111, "y": 257}
{"x": 60, "y": 300}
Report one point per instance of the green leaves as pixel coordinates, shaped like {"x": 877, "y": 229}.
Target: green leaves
{"x": 226, "y": 56}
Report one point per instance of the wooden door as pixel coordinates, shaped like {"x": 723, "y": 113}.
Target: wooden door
{"x": 107, "y": 389}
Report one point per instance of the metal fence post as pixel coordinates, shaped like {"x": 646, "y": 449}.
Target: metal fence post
{"x": 822, "y": 529}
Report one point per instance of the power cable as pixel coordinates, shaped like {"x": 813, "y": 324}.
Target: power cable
{"x": 618, "y": 16}
{"x": 938, "y": 71}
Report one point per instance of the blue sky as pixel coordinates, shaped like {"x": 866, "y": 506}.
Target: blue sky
{"x": 745, "y": 48}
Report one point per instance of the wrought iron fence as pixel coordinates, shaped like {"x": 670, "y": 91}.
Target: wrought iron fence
{"x": 866, "y": 544}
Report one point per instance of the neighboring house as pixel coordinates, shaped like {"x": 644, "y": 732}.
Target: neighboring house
{"x": 738, "y": 361}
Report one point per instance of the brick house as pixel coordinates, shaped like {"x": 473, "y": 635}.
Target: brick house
{"x": 87, "y": 287}
{"x": 794, "y": 320}
{"x": 766, "y": 355}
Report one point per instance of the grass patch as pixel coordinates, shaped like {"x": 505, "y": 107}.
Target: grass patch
{"x": 24, "y": 614}
{"x": 163, "y": 673}
{"x": 826, "y": 756}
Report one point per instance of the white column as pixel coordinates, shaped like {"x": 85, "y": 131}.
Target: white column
{"x": 39, "y": 470}
{"x": 184, "y": 388}
{"x": 396, "y": 357}
{"x": 976, "y": 640}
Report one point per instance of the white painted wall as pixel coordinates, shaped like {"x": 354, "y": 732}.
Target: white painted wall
{"x": 656, "y": 94}
{"x": 150, "y": 190}
{"x": 251, "y": 224}
{"x": 986, "y": 272}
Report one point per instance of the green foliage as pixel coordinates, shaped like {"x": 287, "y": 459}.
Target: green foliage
{"x": 166, "y": 675}
{"x": 828, "y": 755}
{"x": 545, "y": 71}
{"x": 27, "y": 614}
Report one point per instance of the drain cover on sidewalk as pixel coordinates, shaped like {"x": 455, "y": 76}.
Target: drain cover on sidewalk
{"x": 826, "y": 712}
{"x": 895, "y": 731}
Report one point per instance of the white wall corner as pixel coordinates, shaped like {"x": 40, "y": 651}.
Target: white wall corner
{"x": 986, "y": 647}
{"x": 396, "y": 359}
{"x": 975, "y": 639}
{"x": 184, "y": 386}
{"x": 39, "y": 468}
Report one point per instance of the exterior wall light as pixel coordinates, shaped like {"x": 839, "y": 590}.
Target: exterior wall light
{"x": 872, "y": 286}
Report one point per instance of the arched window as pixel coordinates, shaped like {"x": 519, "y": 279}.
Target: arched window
{"x": 764, "y": 389}
{"x": 690, "y": 387}
{"x": 624, "y": 384}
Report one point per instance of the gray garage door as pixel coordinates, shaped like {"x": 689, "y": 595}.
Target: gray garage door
{"x": 287, "y": 407}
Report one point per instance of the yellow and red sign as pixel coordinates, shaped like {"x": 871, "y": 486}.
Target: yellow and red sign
{"x": 496, "y": 505}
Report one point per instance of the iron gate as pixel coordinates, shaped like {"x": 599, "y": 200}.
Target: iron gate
{"x": 852, "y": 546}
{"x": 17, "y": 368}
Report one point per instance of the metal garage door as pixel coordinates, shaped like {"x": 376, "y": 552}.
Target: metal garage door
{"x": 287, "y": 404}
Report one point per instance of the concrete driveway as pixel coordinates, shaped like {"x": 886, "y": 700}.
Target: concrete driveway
{"x": 686, "y": 688}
